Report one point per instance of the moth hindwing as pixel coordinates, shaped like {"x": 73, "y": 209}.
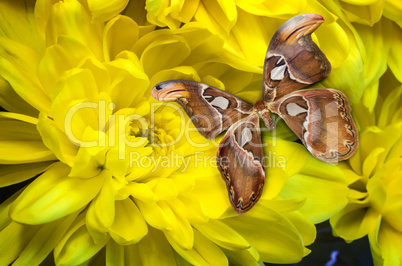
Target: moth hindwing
{"x": 240, "y": 160}
{"x": 322, "y": 120}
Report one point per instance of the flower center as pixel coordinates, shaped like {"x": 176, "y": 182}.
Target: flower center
{"x": 161, "y": 141}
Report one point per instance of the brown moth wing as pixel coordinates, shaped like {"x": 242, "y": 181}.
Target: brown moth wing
{"x": 211, "y": 110}
{"x": 240, "y": 160}
{"x": 293, "y": 60}
{"x": 322, "y": 119}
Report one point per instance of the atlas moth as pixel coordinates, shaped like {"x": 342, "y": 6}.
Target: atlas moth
{"x": 320, "y": 118}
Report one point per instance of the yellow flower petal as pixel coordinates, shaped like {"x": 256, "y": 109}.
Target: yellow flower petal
{"x": 354, "y": 221}
{"x": 393, "y": 36}
{"x": 272, "y": 9}
{"x": 20, "y": 26}
{"x": 306, "y": 229}
{"x": 284, "y": 205}
{"x": 323, "y": 186}
{"x": 77, "y": 245}
{"x": 9, "y": 228}
{"x": 223, "y": 235}
{"x": 105, "y": 9}
{"x": 212, "y": 254}
{"x": 12, "y": 102}
{"x": 203, "y": 44}
{"x": 375, "y": 60}
{"x": 182, "y": 72}
{"x": 129, "y": 226}
{"x": 44, "y": 241}
{"x": 196, "y": 214}
{"x": 283, "y": 160}
{"x": 244, "y": 257}
{"x": 157, "y": 215}
{"x": 272, "y": 225}
{"x": 390, "y": 242}
{"x": 374, "y": 245}
{"x": 393, "y": 211}
{"x": 132, "y": 255}
{"x": 13, "y": 174}
{"x": 154, "y": 249}
{"x": 12, "y": 246}
{"x": 136, "y": 10}
{"x": 101, "y": 211}
{"x": 164, "y": 189}
{"x": 182, "y": 232}
{"x": 370, "y": 163}
{"x": 114, "y": 253}
{"x": 89, "y": 160}
{"x": 210, "y": 189}
{"x": 163, "y": 13}
{"x": 70, "y": 18}
{"x": 347, "y": 66}
{"x": 204, "y": 251}
{"x": 115, "y": 164}
{"x": 75, "y": 104}
{"x": 218, "y": 16}
{"x": 250, "y": 29}
{"x": 167, "y": 51}
{"x": 390, "y": 107}
{"x": 377, "y": 192}
{"x": 16, "y": 65}
{"x": 58, "y": 58}
{"x": 32, "y": 207}
{"x": 233, "y": 80}
{"x": 374, "y": 138}
{"x": 126, "y": 72}
{"x": 56, "y": 140}
{"x": 392, "y": 10}
{"x": 21, "y": 143}
{"x": 365, "y": 12}
{"x": 121, "y": 33}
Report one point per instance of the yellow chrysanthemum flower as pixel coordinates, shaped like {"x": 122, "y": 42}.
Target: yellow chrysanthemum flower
{"x": 375, "y": 178}
{"x": 115, "y": 181}
{"x": 369, "y": 12}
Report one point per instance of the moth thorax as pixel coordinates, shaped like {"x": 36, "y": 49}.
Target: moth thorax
{"x": 259, "y": 106}
{"x": 263, "y": 112}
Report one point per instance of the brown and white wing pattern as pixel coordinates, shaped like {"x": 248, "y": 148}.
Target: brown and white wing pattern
{"x": 293, "y": 60}
{"x": 211, "y": 110}
{"x": 322, "y": 119}
{"x": 240, "y": 160}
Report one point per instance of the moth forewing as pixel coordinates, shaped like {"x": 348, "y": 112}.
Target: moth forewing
{"x": 322, "y": 119}
{"x": 240, "y": 160}
{"x": 293, "y": 60}
{"x": 211, "y": 110}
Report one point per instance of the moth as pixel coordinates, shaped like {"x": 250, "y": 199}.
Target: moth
{"x": 320, "y": 118}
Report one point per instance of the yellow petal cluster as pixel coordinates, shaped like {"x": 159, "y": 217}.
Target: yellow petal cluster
{"x": 374, "y": 177}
